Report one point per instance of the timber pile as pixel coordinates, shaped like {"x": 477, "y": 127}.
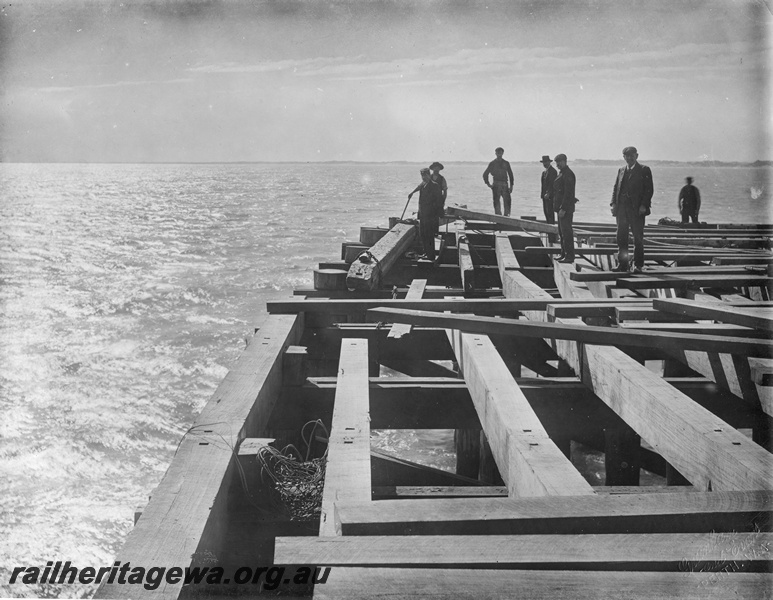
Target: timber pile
{"x": 664, "y": 379}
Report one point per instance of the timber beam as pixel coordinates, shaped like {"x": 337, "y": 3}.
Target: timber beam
{"x": 688, "y": 512}
{"x": 367, "y": 271}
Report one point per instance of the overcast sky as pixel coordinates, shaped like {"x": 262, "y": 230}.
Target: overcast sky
{"x": 378, "y": 81}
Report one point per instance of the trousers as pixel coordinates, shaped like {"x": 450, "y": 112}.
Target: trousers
{"x": 628, "y": 218}
{"x": 428, "y": 227}
{"x": 547, "y": 208}
{"x": 500, "y": 188}
{"x": 566, "y": 234}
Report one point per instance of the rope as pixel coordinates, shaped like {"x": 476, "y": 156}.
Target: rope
{"x": 296, "y": 485}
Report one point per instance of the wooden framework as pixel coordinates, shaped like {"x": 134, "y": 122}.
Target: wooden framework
{"x": 613, "y": 431}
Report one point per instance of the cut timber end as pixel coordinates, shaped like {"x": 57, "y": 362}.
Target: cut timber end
{"x": 371, "y": 235}
{"x": 329, "y": 279}
{"x": 367, "y": 271}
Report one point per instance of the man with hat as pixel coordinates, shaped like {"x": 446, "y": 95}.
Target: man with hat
{"x": 500, "y": 172}
{"x": 548, "y": 177}
{"x": 689, "y": 202}
{"x": 436, "y": 167}
{"x": 631, "y": 203}
{"x": 563, "y": 203}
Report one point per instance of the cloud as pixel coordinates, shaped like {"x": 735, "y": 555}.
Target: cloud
{"x": 545, "y": 62}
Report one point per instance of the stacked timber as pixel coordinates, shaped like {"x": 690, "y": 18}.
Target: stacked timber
{"x": 613, "y": 430}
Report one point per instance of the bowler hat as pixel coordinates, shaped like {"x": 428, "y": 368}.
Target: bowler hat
{"x": 436, "y": 166}
{"x": 546, "y": 158}
{"x": 560, "y": 157}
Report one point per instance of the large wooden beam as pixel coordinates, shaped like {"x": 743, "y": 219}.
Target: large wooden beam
{"x": 525, "y": 224}
{"x": 702, "y": 447}
{"x": 684, "y": 512}
{"x": 687, "y": 281}
{"x": 466, "y": 266}
{"x": 355, "y": 583}
{"x": 368, "y": 270}
{"x": 347, "y": 472}
{"x": 615, "y": 551}
{"x": 482, "y": 306}
{"x": 415, "y": 292}
{"x": 759, "y": 318}
{"x": 184, "y": 521}
{"x": 529, "y": 461}
{"x": 577, "y": 332}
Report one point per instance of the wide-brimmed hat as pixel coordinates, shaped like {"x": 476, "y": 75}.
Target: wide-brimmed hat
{"x": 436, "y": 166}
{"x": 546, "y": 158}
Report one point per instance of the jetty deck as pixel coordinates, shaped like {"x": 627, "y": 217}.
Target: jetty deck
{"x": 612, "y": 430}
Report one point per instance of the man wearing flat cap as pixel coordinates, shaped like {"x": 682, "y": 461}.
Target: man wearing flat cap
{"x": 563, "y": 203}
{"x": 548, "y": 177}
{"x": 631, "y": 203}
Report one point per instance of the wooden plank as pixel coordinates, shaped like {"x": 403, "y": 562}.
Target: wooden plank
{"x": 466, "y": 267}
{"x": 415, "y": 292}
{"x": 761, "y": 242}
{"x": 506, "y": 258}
{"x": 614, "y": 551}
{"x": 184, "y": 521}
{"x": 491, "y": 491}
{"x": 575, "y": 332}
{"x": 646, "y": 313}
{"x": 529, "y": 461}
{"x": 481, "y": 306}
{"x": 350, "y": 583}
{"x": 347, "y": 472}
{"x": 755, "y": 318}
{"x": 718, "y": 329}
{"x": 524, "y": 224}
{"x": 743, "y": 259}
{"x": 591, "y": 309}
{"x": 369, "y": 269}
{"x": 657, "y": 272}
{"x": 705, "y": 449}
{"x": 682, "y": 512}
{"x": 687, "y": 281}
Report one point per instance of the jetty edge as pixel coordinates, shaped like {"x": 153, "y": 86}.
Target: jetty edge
{"x": 538, "y": 367}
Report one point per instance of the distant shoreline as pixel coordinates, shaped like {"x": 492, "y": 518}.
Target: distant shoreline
{"x": 578, "y": 161}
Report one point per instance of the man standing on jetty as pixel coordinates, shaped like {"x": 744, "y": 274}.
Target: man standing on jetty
{"x": 689, "y": 202}
{"x": 500, "y": 172}
{"x": 631, "y": 203}
{"x": 430, "y": 208}
{"x": 563, "y": 197}
{"x": 548, "y": 177}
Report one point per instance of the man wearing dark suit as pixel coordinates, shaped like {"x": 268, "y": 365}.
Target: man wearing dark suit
{"x": 563, "y": 203}
{"x": 548, "y": 177}
{"x": 631, "y": 203}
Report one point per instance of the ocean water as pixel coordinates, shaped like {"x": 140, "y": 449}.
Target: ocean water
{"x": 127, "y": 291}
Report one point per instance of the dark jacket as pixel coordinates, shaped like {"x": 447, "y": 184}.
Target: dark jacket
{"x": 500, "y": 171}
{"x": 430, "y": 201}
{"x": 563, "y": 191}
{"x": 548, "y": 177}
{"x": 635, "y": 189}
{"x": 689, "y": 200}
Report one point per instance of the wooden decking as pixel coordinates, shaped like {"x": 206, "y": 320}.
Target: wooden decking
{"x": 612, "y": 430}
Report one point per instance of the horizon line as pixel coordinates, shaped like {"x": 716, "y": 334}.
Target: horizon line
{"x": 760, "y": 162}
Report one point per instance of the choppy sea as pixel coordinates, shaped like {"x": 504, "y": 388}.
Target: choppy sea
{"x": 127, "y": 292}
